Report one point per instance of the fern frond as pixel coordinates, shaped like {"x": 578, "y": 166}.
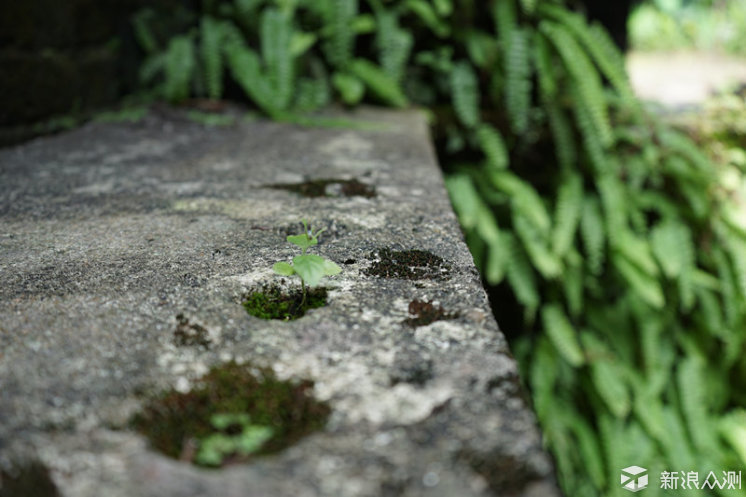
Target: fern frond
{"x": 394, "y": 45}
{"x": 562, "y": 334}
{"x": 143, "y": 32}
{"x": 275, "y": 34}
{"x": 586, "y": 80}
{"x": 339, "y": 16}
{"x": 544, "y": 64}
{"x": 482, "y": 49}
{"x": 572, "y": 283}
{"x": 614, "y": 203}
{"x": 568, "y": 209}
{"x": 596, "y": 41}
{"x": 493, "y": 146}
{"x": 611, "y": 387}
{"x": 212, "y": 60}
{"x": 647, "y": 287}
{"x": 518, "y": 80}
{"x": 378, "y": 82}
{"x": 504, "y": 16}
{"x": 465, "y": 93}
{"x": 350, "y": 88}
{"x": 592, "y": 141}
{"x": 179, "y": 68}
{"x": 312, "y": 94}
{"x": 672, "y": 245}
{"x": 637, "y": 251}
{"x": 693, "y": 398}
{"x": 525, "y": 199}
{"x": 429, "y": 17}
{"x": 520, "y": 275}
{"x": 593, "y": 233}
{"x": 151, "y": 67}
{"x": 246, "y": 70}
{"x": 546, "y": 262}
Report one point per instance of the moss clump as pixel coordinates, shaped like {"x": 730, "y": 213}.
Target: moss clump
{"x": 177, "y": 423}
{"x": 408, "y": 264}
{"x": 272, "y": 303}
{"x": 425, "y": 313}
{"x": 329, "y": 188}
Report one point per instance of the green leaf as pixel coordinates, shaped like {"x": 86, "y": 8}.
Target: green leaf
{"x": 283, "y": 269}
{"x": 330, "y": 268}
{"x": 223, "y": 420}
{"x": 350, "y": 88}
{"x": 646, "y": 286}
{"x": 493, "y": 146}
{"x": 562, "y": 334}
{"x": 252, "y": 438}
{"x": 303, "y": 241}
{"x": 610, "y": 387}
{"x": 301, "y": 42}
{"x": 378, "y": 82}
{"x": 568, "y": 209}
{"x": 310, "y": 267}
{"x": 465, "y": 93}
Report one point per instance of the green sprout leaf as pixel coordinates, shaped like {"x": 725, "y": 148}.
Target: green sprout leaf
{"x": 303, "y": 241}
{"x": 283, "y": 269}
{"x": 310, "y": 267}
{"x": 330, "y": 268}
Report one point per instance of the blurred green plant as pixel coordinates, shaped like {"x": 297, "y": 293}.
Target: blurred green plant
{"x": 611, "y": 230}
{"x": 694, "y": 24}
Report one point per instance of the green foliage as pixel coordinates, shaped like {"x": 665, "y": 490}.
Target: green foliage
{"x": 622, "y": 243}
{"x": 219, "y": 446}
{"x": 310, "y": 268}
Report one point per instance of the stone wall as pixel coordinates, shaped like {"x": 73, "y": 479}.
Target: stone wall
{"x": 129, "y": 251}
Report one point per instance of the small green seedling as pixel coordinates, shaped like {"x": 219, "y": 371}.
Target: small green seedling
{"x": 215, "y": 448}
{"x": 311, "y": 268}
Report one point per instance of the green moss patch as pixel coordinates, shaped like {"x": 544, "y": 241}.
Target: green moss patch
{"x": 273, "y": 303}
{"x": 424, "y": 313}
{"x": 329, "y": 188}
{"x": 407, "y": 264}
{"x": 233, "y": 413}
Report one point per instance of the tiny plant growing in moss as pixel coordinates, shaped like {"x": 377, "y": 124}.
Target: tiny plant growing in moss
{"x": 235, "y": 436}
{"x": 311, "y": 268}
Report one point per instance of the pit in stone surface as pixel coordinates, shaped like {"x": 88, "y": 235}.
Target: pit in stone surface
{"x": 329, "y": 188}
{"x": 274, "y": 303}
{"x": 424, "y": 313}
{"x": 189, "y": 334}
{"x": 213, "y": 424}
{"x": 407, "y": 264}
{"x": 28, "y": 479}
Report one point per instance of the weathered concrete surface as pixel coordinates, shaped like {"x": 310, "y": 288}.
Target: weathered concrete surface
{"x": 109, "y": 232}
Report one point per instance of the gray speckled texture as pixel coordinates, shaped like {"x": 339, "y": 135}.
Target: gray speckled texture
{"x": 108, "y": 232}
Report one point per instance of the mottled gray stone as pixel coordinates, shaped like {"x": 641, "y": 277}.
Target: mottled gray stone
{"x": 107, "y": 233}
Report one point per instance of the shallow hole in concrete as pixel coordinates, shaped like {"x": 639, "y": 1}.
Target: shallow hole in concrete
{"x": 407, "y": 264}
{"x": 329, "y": 188}
{"x": 425, "y": 312}
{"x": 232, "y": 414}
{"x": 275, "y": 303}
{"x": 27, "y": 479}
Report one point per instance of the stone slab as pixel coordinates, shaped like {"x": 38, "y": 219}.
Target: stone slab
{"x": 109, "y": 232}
